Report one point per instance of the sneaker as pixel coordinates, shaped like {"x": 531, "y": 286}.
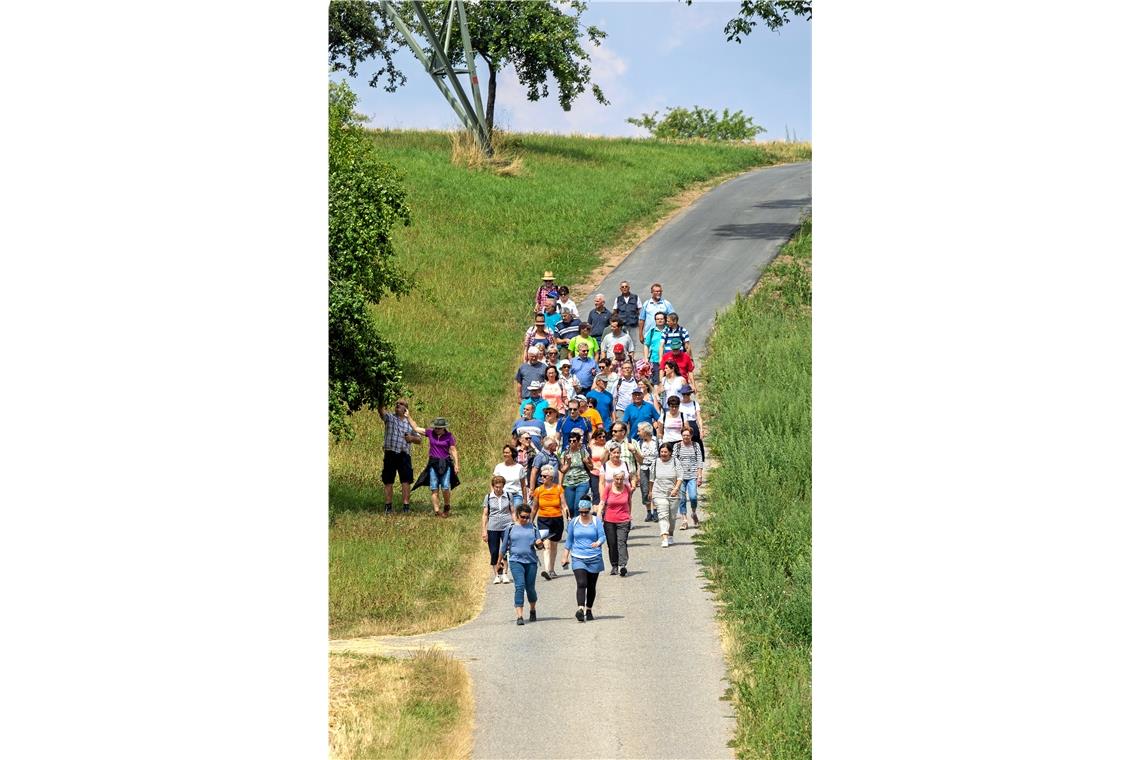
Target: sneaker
{"x": 553, "y": 574}
{"x": 648, "y": 517}
{"x": 622, "y": 571}
{"x": 387, "y": 509}
{"x": 655, "y": 517}
{"x": 545, "y": 575}
{"x": 670, "y": 540}
{"x": 580, "y": 615}
{"x": 613, "y": 571}
{"x": 664, "y": 543}
{"x": 407, "y": 508}
{"x": 589, "y": 615}
{"x": 518, "y": 621}
{"x": 503, "y": 578}
{"x": 533, "y": 616}
{"x": 497, "y": 581}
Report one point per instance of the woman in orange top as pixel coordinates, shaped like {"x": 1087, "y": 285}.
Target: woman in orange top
{"x": 552, "y": 515}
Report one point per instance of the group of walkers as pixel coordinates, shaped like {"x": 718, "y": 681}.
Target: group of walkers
{"x": 600, "y": 417}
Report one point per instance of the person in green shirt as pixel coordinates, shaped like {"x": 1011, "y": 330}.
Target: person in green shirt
{"x": 584, "y": 336}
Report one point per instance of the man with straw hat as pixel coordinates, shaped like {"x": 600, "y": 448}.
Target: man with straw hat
{"x": 547, "y": 290}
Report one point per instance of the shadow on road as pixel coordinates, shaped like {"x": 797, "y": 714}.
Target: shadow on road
{"x": 756, "y": 231}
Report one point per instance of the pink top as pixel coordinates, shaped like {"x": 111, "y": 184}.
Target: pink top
{"x": 617, "y": 506}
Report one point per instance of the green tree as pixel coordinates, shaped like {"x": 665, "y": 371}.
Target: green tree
{"x": 681, "y": 123}
{"x": 365, "y": 201}
{"x": 774, "y": 14}
{"x": 539, "y": 39}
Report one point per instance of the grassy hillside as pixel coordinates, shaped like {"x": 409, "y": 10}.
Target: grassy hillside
{"x": 477, "y": 247}
{"x": 757, "y": 548}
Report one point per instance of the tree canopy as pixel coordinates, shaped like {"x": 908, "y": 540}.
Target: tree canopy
{"x": 365, "y": 202}
{"x": 773, "y": 13}
{"x": 681, "y": 123}
{"x": 541, "y": 40}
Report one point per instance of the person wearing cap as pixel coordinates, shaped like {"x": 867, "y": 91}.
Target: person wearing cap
{"x": 537, "y": 335}
{"x": 627, "y": 306}
{"x": 546, "y": 290}
{"x": 573, "y": 421}
{"x": 550, "y": 425}
{"x": 583, "y": 368}
{"x": 692, "y": 411}
{"x": 565, "y": 330}
{"x": 553, "y": 390}
{"x": 583, "y": 338}
{"x": 442, "y": 471}
{"x": 673, "y": 330}
{"x": 675, "y": 352}
{"x": 664, "y": 487}
{"x": 616, "y": 521}
{"x": 576, "y": 467}
{"x": 603, "y": 401}
{"x": 638, "y": 411}
{"x": 598, "y": 318}
{"x": 569, "y": 382}
{"x": 547, "y": 454}
{"x": 532, "y": 369}
{"x": 534, "y": 397}
{"x": 564, "y": 304}
{"x": 584, "y": 539}
{"x": 655, "y": 304}
{"x": 617, "y": 336}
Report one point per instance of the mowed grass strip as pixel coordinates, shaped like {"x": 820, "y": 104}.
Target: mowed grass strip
{"x": 757, "y": 547}
{"x": 477, "y": 248}
{"x": 381, "y": 707}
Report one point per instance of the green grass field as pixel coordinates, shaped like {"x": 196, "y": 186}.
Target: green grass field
{"x": 477, "y": 247}
{"x": 757, "y": 547}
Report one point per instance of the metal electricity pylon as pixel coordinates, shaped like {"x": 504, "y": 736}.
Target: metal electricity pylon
{"x": 437, "y": 62}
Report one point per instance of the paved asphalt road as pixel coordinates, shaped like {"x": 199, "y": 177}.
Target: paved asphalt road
{"x": 647, "y": 677}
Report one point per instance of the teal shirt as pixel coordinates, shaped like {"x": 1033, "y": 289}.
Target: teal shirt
{"x": 653, "y": 338}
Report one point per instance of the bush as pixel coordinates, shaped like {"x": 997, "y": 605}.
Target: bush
{"x": 681, "y": 123}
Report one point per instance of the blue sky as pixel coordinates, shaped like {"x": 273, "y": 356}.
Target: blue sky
{"x": 657, "y": 54}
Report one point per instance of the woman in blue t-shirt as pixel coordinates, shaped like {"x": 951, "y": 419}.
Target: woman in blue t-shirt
{"x": 520, "y": 543}
{"x": 584, "y": 540}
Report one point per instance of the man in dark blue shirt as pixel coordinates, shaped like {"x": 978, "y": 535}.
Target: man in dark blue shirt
{"x": 638, "y": 411}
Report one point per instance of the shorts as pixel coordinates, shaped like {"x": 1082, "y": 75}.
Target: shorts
{"x": 396, "y": 461}
{"x": 437, "y": 481}
{"x": 553, "y": 524}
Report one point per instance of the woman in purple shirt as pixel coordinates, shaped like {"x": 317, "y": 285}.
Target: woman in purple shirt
{"x": 442, "y": 472}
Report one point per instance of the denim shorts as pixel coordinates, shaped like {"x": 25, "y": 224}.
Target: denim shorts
{"x": 435, "y": 481}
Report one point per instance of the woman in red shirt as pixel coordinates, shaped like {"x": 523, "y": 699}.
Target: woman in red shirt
{"x": 616, "y": 522}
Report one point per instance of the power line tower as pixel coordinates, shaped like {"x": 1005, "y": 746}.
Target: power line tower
{"x": 437, "y": 62}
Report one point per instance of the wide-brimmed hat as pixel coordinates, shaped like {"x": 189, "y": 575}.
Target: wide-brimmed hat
{"x": 564, "y": 363}
{"x": 548, "y": 275}
{"x": 439, "y": 422}
{"x": 550, "y": 409}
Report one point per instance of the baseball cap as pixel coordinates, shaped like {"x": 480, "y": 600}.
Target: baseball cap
{"x": 619, "y": 349}
{"x": 686, "y": 388}
{"x": 564, "y": 363}
{"x": 637, "y": 390}
{"x": 534, "y": 386}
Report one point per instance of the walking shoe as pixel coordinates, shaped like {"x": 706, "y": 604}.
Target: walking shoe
{"x": 565, "y": 565}
{"x": 387, "y": 509}
{"x": 553, "y": 574}
{"x": 497, "y": 581}
{"x": 622, "y": 571}
{"x": 533, "y": 616}
{"x": 545, "y": 575}
{"x": 685, "y": 525}
{"x": 670, "y": 540}
{"x": 664, "y": 543}
{"x": 696, "y": 522}
{"x": 613, "y": 571}
{"x": 503, "y": 578}
{"x": 648, "y": 517}
{"x": 589, "y": 615}
{"x": 580, "y": 615}
{"x": 518, "y": 621}
{"x": 407, "y": 508}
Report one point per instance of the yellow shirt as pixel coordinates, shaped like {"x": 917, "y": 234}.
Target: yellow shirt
{"x": 592, "y": 415}
{"x": 549, "y": 500}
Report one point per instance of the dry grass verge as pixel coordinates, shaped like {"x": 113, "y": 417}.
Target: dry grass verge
{"x": 379, "y": 707}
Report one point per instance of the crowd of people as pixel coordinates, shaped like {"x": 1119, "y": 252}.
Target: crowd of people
{"x": 606, "y": 410}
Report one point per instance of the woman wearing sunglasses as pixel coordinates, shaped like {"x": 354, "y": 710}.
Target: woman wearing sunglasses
{"x": 520, "y": 543}
{"x": 584, "y": 540}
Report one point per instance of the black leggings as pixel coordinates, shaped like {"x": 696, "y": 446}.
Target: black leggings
{"x": 494, "y": 538}
{"x": 587, "y": 587}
